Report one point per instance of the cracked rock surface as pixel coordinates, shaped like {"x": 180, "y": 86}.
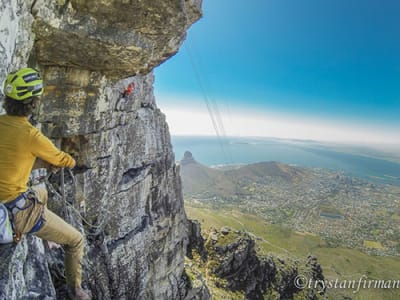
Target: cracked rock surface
{"x": 128, "y": 185}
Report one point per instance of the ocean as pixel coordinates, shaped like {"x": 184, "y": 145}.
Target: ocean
{"x": 212, "y": 151}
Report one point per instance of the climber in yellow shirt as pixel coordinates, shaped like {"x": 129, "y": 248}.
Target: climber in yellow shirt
{"x": 20, "y": 145}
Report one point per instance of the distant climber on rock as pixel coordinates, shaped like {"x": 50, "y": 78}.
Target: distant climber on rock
{"x": 123, "y": 97}
{"x": 20, "y": 145}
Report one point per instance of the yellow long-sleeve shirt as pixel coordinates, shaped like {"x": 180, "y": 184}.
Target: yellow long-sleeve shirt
{"x": 20, "y": 145}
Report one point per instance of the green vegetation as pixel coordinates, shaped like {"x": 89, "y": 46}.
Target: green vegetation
{"x": 344, "y": 211}
{"x": 350, "y": 225}
{"x": 196, "y": 268}
{"x": 372, "y": 244}
{"x": 337, "y": 262}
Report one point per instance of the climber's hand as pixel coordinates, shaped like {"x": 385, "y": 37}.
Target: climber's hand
{"x": 53, "y": 169}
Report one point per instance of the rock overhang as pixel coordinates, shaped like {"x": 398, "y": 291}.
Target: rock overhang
{"x": 115, "y": 37}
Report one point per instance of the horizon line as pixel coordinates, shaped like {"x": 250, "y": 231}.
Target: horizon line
{"x": 338, "y": 142}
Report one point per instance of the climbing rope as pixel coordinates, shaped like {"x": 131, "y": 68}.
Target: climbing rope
{"x": 63, "y": 197}
{"x": 212, "y": 108}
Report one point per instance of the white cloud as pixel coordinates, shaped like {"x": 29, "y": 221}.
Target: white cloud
{"x": 192, "y": 118}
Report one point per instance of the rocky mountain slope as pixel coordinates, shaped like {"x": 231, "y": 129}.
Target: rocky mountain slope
{"x": 223, "y": 183}
{"x": 196, "y": 177}
{"x": 89, "y": 52}
{"x": 232, "y": 269}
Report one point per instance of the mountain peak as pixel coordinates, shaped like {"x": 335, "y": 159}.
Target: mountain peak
{"x": 188, "y": 158}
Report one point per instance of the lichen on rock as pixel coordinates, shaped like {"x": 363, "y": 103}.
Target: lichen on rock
{"x": 20, "y": 268}
{"x": 118, "y": 38}
{"x": 234, "y": 270}
{"x": 129, "y": 186}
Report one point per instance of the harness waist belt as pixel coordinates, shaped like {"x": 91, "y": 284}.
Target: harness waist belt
{"x": 17, "y": 204}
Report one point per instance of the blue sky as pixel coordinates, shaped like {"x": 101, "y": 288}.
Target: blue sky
{"x": 332, "y": 65}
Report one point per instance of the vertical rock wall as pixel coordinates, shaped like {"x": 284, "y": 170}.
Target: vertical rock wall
{"x": 129, "y": 186}
{"x": 16, "y": 37}
{"x": 128, "y": 179}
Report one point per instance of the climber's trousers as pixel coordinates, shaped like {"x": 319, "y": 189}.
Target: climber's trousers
{"x": 56, "y": 230}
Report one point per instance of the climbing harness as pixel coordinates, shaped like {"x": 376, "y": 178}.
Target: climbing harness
{"x": 23, "y": 202}
{"x": 26, "y": 200}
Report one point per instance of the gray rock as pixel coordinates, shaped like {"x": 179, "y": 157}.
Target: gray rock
{"x": 129, "y": 186}
{"x": 119, "y": 38}
{"x": 214, "y": 236}
{"x": 256, "y": 276}
{"x": 196, "y": 241}
{"x": 16, "y": 38}
{"x": 225, "y": 230}
{"x": 23, "y": 271}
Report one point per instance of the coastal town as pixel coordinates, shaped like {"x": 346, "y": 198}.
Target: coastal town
{"x": 345, "y": 211}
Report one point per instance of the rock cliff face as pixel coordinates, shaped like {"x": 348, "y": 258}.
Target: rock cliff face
{"x": 235, "y": 271}
{"x": 89, "y": 52}
{"x": 24, "y": 273}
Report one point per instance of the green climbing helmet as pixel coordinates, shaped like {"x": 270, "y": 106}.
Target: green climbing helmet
{"x": 23, "y": 84}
